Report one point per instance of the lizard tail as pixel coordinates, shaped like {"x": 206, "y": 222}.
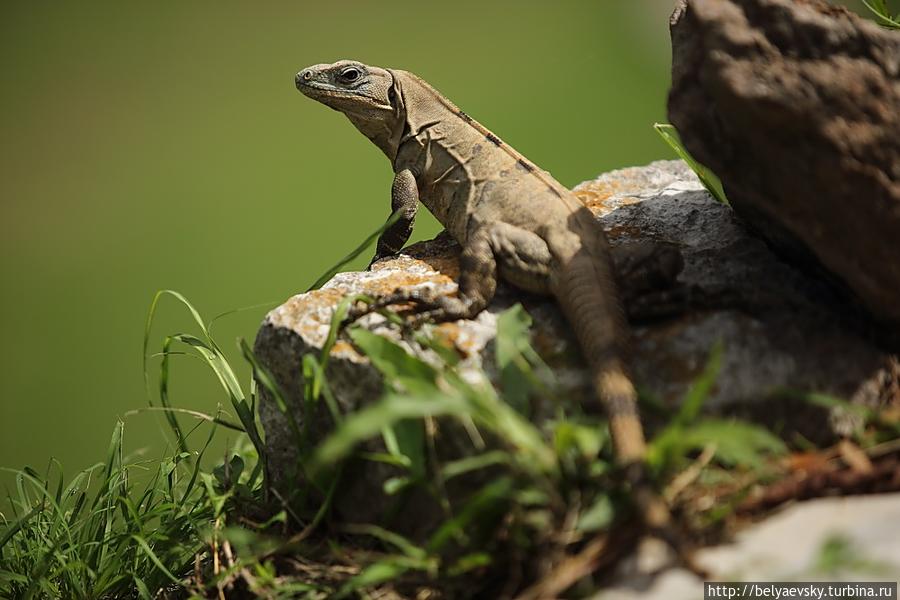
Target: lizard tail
{"x": 586, "y": 292}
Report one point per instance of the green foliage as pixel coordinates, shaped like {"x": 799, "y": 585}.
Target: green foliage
{"x": 707, "y": 178}
{"x": 736, "y": 443}
{"x": 418, "y": 390}
{"x": 99, "y": 535}
{"x": 599, "y": 516}
{"x": 209, "y": 351}
{"x": 883, "y": 13}
{"x": 521, "y": 369}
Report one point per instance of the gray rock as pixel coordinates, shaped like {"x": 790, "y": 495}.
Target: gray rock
{"x": 827, "y": 539}
{"x": 796, "y": 107}
{"x": 780, "y": 329}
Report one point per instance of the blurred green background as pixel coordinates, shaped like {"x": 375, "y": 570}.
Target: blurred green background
{"x": 163, "y": 145}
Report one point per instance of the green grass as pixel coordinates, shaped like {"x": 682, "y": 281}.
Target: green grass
{"x": 709, "y": 180}
{"x": 99, "y": 535}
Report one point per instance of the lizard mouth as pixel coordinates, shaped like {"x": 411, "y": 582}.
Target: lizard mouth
{"x": 308, "y": 86}
{"x": 303, "y": 81}
{"x": 318, "y": 91}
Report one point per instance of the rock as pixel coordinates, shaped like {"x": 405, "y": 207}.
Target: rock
{"x": 831, "y": 539}
{"x": 781, "y": 331}
{"x": 796, "y": 107}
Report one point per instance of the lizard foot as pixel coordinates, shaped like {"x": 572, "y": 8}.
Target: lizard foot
{"x": 419, "y": 306}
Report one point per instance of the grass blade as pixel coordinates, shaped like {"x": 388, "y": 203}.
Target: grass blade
{"x": 155, "y": 559}
{"x": 323, "y": 279}
{"x": 193, "y": 413}
{"x": 151, "y": 315}
{"x": 707, "y": 178}
{"x": 370, "y": 421}
{"x": 164, "y": 396}
{"x": 880, "y": 9}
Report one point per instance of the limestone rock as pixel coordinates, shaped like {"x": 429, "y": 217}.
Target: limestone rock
{"x": 781, "y": 330}
{"x": 796, "y": 107}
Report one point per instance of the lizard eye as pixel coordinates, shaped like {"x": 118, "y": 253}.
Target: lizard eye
{"x": 350, "y": 74}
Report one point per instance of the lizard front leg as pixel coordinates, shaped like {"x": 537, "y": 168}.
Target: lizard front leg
{"x": 405, "y": 198}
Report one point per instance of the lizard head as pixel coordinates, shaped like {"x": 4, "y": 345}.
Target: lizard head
{"x": 369, "y": 96}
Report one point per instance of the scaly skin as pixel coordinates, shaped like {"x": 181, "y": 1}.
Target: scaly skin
{"x": 512, "y": 220}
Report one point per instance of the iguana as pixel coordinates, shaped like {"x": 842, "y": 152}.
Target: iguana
{"x": 512, "y": 220}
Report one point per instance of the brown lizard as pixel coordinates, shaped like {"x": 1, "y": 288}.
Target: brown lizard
{"x": 511, "y": 219}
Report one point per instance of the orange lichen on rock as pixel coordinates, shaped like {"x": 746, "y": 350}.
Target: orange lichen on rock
{"x": 401, "y": 280}
{"x": 444, "y": 261}
{"x": 342, "y": 347}
{"x": 451, "y": 335}
{"x": 594, "y": 194}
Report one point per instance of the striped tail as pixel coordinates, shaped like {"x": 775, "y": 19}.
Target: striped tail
{"x": 585, "y": 290}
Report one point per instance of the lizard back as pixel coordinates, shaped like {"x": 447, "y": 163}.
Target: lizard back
{"x": 466, "y": 174}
